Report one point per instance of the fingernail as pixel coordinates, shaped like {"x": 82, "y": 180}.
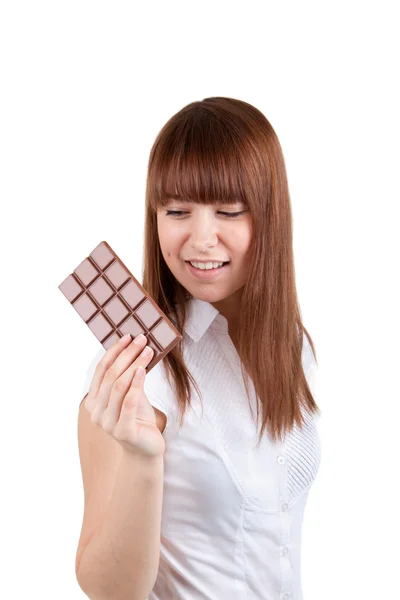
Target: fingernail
{"x": 139, "y": 339}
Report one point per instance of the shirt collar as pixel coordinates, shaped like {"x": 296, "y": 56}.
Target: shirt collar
{"x": 199, "y": 317}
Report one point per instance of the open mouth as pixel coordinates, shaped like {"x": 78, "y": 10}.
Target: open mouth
{"x": 207, "y": 274}
{"x": 207, "y": 270}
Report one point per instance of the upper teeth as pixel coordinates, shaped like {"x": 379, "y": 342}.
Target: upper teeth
{"x": 209, "y": 265}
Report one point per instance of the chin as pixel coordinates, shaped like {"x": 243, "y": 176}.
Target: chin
{"x": 210, "y": 295}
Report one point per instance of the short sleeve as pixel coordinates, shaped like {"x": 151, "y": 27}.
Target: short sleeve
{"x": 158, "y": 390}
{"x": 90, "y": 371}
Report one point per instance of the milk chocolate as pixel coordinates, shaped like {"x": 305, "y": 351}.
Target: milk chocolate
{"x": 112, "y": 303}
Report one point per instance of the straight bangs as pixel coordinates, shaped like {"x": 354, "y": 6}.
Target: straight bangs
{"x": 199, "y": 160}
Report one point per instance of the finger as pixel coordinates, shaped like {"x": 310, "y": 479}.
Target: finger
{"x": 110, "y": 370}
{"x": 105, "y": 362}
{"x": 120, "y": 390}
{"x": 130, "y": 405}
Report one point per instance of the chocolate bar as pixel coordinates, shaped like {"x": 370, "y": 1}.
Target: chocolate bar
{"x": 113, "y": 303}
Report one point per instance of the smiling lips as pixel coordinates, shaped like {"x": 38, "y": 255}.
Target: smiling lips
{"x": 206, "y": 273}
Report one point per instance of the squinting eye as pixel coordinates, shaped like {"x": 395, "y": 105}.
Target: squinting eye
{"x": 229, "y": 215}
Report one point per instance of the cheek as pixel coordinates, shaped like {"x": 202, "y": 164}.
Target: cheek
{"x": 170, "y": 239}
{"x": 242, "y": 241}
{"x": 247, "y": 236}
{"x": 169, "y": 242}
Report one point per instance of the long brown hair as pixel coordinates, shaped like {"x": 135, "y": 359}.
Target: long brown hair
{"x": 213, "y": 151}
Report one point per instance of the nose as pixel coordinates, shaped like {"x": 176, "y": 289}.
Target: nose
{"x": 203, "y": 232}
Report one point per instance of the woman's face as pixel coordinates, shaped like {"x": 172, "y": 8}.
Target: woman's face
{"x": 206, "y": 233}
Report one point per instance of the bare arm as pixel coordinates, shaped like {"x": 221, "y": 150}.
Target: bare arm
{"x": 121, "y": 559}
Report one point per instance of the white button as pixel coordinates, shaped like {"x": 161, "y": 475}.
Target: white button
{"x": 281, "y": 460}
{"x": 284, "y": 507}
{"x": 284, "y": 550}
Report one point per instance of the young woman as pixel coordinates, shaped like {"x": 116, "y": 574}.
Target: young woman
{"x": 197, "y": 475}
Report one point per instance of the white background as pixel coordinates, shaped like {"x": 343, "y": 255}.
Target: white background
{"x": 85, "y": 88}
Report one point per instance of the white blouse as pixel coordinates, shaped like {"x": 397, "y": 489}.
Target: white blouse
{"x": 232, "y": 514}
